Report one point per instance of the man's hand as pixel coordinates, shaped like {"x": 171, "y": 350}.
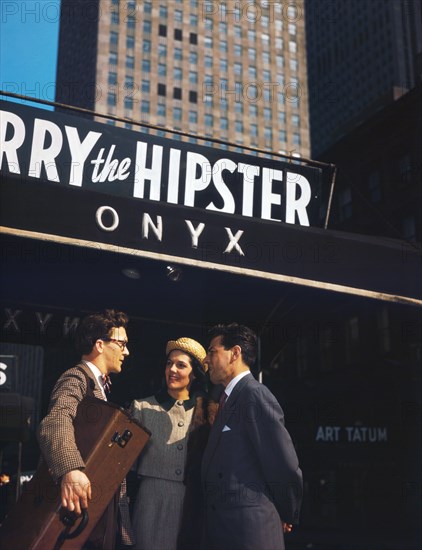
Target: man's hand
{"x": 287, "y": 527}
{"x": 75, "y": 491}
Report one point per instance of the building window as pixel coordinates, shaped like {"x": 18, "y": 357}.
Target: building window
{"x": 177, "y": 73}
{"x": 238, "y": 126}
{"x": 237, "y": 68}
{"x": 224, "y": 123}
{"x": 130, "y": 62}
{"x": 112, "y": 58}
{"x": 208, "y": 62}
{"x": 145, "y": 86}
{"x": 178, "y": 34}
{"x": 178, "y": 15}
{"x": 146, "y": 66}
{"x": 209, "y": 121}
{"x": 177, "y": 93}
{"x": 268, "y": 135}
{"x": 193, "y": 20}
{"x": 237, "y": 50}
{"x": 145, "y": 106}
{"x": 178, "y": 54}
{"x": 282, "y": 136}
{"x": 112, "y": 78}
{"x": 208, "y": 24}
{"x": 251, "y": 35}
{"x": 146, "y": 46}
{"x": 251, "y": 54}
{"x": 296, "y": 139}
{"x": 161, "y": 89}
{"x": 292, "y": 46}
{"x": 162, "y": 69}
{"x": 162, "y": 50}
{"x": 223, "y": 65}
{"x": 223, "y": 46}
{"x": 115, "y": 17}
{"x": 266, "y": 58}
{"x": 161, "y": 109}
{"x": 193, "y": 38}
{"x": 279, "y": 60}
{"x": 193, "y": 77}
{"x": 293, "y": 65}
{"x": 128, "y": 102}
{"x": 130, "y": 42}
{"x": 193, "y": 117}
{"x": 295, "y": 121}
{"x": 177, "y": 113}
{"x": 292, "y": 28}
{"x": 111, "y": 98}
{"x": 208, "y": 41}
{"x": 162, "y": 30}
{"x": 193, "y": 97}
{"x": 253, "y": 110}
{"x": 147, "y": 7}
{"x": 254, "y": 130}
{"x": 282, "y": 117}
{"x": 193, "y": 58}
{"x": 114, "y": 38}
{"x": 267, "y": 113}
{"x": 163, "y": 11}
{"x": 252, "y": 72}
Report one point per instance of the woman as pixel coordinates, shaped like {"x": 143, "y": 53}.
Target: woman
{"x": 176, "y": 414}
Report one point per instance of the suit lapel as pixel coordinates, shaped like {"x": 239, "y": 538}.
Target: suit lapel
{"x": 221, "y": 420}
{"x": 93, "y": 386}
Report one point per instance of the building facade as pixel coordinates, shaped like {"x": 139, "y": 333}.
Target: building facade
{"x": 362, "y": 55}
{"x": 232, "y": 70}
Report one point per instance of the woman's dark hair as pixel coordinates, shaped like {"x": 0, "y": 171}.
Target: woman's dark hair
{"x": 237, "y": 335}
{"x": 97, "y": 325}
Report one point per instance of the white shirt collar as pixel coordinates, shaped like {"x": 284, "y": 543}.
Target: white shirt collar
{"x": 229, "y": 388}
{"x": 98, "y": 376}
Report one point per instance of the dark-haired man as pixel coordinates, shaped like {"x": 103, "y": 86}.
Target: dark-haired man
{"x": 101, "y": 339}
{"x": 250, "y": 471}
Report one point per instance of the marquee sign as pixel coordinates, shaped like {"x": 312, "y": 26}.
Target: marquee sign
{"x": 73, "y": 181}
{"x": 50, "y": 147}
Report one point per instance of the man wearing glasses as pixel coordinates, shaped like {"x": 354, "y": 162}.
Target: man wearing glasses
{"x": 102, "y": 341}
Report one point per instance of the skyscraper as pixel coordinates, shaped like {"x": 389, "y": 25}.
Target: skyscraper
{"x": 234, "y": 70}
{"x": 362, "y": 55}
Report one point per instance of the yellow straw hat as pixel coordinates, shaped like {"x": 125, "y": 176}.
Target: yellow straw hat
{"x": 190, "y": 346}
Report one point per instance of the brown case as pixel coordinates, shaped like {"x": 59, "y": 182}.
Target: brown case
{"x": 109, "y": 440}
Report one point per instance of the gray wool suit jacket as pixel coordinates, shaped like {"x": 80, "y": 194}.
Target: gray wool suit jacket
{"x": 250, "y": 473}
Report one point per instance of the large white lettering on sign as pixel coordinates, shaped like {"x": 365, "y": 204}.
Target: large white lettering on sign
{"x": 57, "y": 152}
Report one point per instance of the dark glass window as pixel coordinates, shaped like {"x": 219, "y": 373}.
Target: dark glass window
{"x": 161, "y": 89}
{"x": 162, "y": 30}
{"x": 193, "y": 97}
{"x": 193, "y": 38}
{"x": 177, "y": 93}
{"x": 178, "y": 34}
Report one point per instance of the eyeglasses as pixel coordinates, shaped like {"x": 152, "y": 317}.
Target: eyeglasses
{"x": 121, "y": 343}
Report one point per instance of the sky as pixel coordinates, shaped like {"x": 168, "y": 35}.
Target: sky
{"x": 28, "y": 47}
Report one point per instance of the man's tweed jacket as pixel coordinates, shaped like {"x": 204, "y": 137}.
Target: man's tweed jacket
{"x": 56, "y": 434}
{"x": 57, "y": 437}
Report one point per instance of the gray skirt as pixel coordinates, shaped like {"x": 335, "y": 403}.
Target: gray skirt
{"x": 158, "y": 513}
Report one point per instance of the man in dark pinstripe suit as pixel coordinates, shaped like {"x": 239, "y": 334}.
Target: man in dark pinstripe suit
{"x": 102, "y": 341}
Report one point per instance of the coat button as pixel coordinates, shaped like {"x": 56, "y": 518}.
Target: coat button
{"x": 178, "y": 471}
{"x": 180, "y": 423}
{"x": 180, "y": 446}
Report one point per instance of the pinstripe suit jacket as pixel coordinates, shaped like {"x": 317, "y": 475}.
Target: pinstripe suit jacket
{"x": 56, "y": 433}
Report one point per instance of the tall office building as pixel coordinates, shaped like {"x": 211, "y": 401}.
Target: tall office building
{"x": 233, "y": 70}
{"x": 362, "y": 55}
